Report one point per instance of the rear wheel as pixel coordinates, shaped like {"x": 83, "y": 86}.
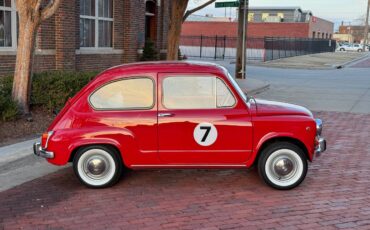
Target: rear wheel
{"x": 282, "y": 165}
{"x": 360, "y": 50}
{"x": 341, "y": 49}
{"x": 97, "y": 166}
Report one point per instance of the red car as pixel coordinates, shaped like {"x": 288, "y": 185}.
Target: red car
{"x": 178, "y": 115}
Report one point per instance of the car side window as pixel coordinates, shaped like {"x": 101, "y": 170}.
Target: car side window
{"x": 131, "y": 93}
{"x": 193, "y": 92}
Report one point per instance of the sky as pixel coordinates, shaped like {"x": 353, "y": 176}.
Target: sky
{"x": 332, "y": 10}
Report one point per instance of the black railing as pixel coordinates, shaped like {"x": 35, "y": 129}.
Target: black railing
{"x": 276, "y": 48}
{"x": 258, "y": 49}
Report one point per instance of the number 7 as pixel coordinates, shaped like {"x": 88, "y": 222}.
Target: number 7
{"x": 208, "y": 129}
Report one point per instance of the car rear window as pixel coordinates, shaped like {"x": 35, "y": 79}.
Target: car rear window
{"x": 131, "y": 93}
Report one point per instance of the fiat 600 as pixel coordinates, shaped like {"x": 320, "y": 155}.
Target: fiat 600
{"x": 178, "y": 115}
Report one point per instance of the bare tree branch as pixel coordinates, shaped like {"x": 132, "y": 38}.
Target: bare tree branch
{"x": 189, "y": 12}
{"x": 50, "y": 9}
{"x": 38, "y": 5}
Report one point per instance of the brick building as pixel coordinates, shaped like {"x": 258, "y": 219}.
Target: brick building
{"x": 265, "y": 22}
{"x": 356, "y": 32}
{"x": 88, "y": 34}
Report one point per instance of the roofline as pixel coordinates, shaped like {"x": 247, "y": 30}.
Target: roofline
{"x": 275, "y": 8}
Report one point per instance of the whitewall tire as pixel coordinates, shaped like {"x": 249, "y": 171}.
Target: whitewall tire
{"x": 283, "y": 165}
{"x": 97, "y": 166}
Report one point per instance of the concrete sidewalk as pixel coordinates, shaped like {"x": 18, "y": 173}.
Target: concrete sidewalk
{"x": 18, "y": 165}
{"x": 316, "y": 61}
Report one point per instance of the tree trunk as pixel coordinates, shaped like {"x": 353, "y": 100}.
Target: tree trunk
{"x": 174, "y": 30}
{"x": 22, "y": 75}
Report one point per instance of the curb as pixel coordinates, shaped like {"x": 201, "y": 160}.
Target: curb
{"x": 16, "y": 151}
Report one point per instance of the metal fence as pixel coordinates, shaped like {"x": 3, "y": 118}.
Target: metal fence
{"x": 258, "y": 49}
{"x": 276, "y": 48}
{"x": 217, "y": 47}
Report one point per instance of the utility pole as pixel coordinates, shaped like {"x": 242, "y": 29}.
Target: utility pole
{"x": 240, "y": 70}
{"x": 366, "y": 34}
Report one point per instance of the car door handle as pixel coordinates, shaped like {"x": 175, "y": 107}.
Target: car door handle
{"x": 165, "y": 114}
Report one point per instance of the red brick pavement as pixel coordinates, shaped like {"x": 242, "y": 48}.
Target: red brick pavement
{"x": 362, "y": 64}
{"x": 335, "y": 194}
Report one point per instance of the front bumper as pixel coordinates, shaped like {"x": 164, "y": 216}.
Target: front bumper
{"x": 320, "y": 142}
{"x": 320, "y": 146}
{"x": 39, "y": 151}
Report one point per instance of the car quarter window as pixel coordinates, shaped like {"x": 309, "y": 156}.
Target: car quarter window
{"x": 196, "y": 92}
{"x": 131, "y": 93}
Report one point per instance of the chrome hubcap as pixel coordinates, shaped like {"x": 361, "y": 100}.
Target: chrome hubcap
{"x": 96, "y": 166}
{"x": 283, "y": 167}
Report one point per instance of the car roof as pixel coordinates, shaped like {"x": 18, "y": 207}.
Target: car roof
{"x": 168, "y": 66}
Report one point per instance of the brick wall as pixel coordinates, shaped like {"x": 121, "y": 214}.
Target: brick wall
{"x": 87, "y": 62}
{"x": 57, "y": 41}
{"x": 254, "y": 29}
{"x": 321, "y": 26}
{"x": 7, "y": 64}
{"x": 65, "y": 44}
{"x": 299, "y": 29}
{"x": 46, "y": 34}
{"x": 133, "y": 25}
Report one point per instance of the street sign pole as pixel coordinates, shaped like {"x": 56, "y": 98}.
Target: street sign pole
{"x": 366, "y": 33}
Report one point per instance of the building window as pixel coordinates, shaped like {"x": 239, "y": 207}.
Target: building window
{"x": 265, "y": 16}
{"x": 281, "y": 16}
{"x": 96, "y": 23}
{"x": 250, "y": 17}
{"x": 8, "y": 36}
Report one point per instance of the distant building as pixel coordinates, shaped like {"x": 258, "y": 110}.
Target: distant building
{"x": 357, "y": 32}
{"x": 278, "y": 14}
{"x": 343, "y": 37}
{"x": 264, "y": 22}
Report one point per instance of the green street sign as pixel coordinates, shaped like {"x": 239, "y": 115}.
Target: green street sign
{"x": 226, "y": 4}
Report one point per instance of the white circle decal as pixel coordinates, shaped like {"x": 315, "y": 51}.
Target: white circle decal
{"x": 205, "y": 134}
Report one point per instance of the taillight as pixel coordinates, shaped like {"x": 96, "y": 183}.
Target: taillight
{"x": 45, "y": 139}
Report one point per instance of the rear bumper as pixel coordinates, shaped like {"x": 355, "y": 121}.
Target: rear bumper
{"x": 38, "y": 151}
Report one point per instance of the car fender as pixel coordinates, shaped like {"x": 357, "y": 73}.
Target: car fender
{"x": 64, "y": 142}
{"x": 274, "y": 135}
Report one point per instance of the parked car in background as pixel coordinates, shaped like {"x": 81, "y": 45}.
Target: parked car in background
{"x": 179, "y": 115}
{"x": 351, "y": 47}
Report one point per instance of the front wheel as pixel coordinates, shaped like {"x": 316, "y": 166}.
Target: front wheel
{"x": 282, "y": 165}
{"x": 97, "y": 166}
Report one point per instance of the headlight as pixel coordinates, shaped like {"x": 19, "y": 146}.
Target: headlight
{"x": 318, "y": 126}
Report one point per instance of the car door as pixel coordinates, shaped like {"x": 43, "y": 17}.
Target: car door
{"x": 201, "y": 121}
